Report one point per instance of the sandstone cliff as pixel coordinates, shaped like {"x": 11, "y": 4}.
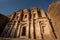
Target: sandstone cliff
{"x": 54, "y": 16}
{"x": 3, "y": 21}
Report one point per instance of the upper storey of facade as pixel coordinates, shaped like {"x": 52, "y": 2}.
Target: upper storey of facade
{"x": 26, "y": 14}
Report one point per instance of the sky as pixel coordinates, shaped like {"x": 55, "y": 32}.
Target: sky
{"x": 9, "y": 6}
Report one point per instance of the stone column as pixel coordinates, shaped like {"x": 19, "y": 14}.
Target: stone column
{"x": 11, "y": 17}
{"x": 10, "y": 28}
{"x": 46, "y": 33}
{"x": 42, "y": 12}
{"x": 27, "y": 30}
{"x": 13, "y": 30}
{"x": 31, "y": 30}
{"x": 18, "y": 31}
{"x": 38, "y": 31}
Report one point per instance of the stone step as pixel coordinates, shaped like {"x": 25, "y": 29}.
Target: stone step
{"x": 21, "y": 39}
{"x": 16, "y": 39}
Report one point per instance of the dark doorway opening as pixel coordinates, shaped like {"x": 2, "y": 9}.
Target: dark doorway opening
{"x": 23, "y": 31}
